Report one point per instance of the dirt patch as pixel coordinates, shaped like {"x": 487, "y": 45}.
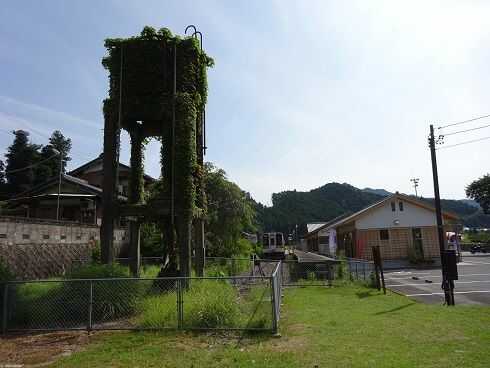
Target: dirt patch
{"x": 40, "y": 349}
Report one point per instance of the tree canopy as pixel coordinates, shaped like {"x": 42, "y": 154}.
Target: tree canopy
{"x": 29, "y": 164}
{"x": 21, "y": 157}
{"x": 51, "y": 167}
{"x": 230, "y": 212}
{"x": 479, "y": 190}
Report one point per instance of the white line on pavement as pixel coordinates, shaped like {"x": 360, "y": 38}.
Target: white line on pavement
{"x": 461, "y": 275}
{"x": 456, "y": 282}
{"x": 456, "y": 292}
{"x": 471, "y": 263}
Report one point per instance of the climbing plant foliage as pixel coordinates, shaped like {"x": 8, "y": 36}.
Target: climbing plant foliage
{"x": 146, "y": 94}
{"x": 158, "y": 88}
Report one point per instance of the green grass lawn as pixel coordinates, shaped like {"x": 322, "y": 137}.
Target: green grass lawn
{"x": 348, "y": 326}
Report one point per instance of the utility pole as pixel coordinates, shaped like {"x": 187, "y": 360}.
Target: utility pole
{"x": 59, "y": 184}
{"x": 415, "y": 185}
{"x": 447, "y": 285}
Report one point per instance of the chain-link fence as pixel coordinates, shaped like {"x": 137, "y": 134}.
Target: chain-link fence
{"x": 229, "y": 303}
{"x": 296, "y": 273}
{"x": 360, "y": 269}
{"x": 221, "y": 266}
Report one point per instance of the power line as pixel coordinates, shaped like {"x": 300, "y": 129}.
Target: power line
{"x": 464, "y": 121}
{"x": 30, "y": 166}
{"x": 467, "y": 142}
{"x": 467, "y": 130}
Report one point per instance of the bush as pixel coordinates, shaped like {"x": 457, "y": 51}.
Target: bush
{"x": 228, "y": 267}
{"x": 5, "y": 274}
{"x": 65, "y": 303}
{"x": 111, "y": 298}
{"x": 98, "y": 271}
{"x": 96, "y": 252}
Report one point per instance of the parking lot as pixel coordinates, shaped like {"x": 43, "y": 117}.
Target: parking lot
{"x": 473, "y": 286}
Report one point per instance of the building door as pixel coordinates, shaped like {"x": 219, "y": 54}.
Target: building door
{"x": 418, "y": 244}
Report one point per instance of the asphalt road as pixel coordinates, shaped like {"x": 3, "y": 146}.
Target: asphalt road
{"x": 473, "y": 286}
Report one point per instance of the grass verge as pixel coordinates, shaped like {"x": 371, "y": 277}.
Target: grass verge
{"x": 349, "y": 326}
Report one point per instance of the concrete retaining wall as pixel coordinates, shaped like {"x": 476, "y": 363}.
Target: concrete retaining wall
{"x": 36, "y": 248}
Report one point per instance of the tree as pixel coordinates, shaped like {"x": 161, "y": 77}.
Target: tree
{"x": 230, "y": 212}
{"x": 3, "y": 181}
{"x": 62, "y": 145}
{"x": 50, "y": 166}
{"x": 3, "y": 178}
{"x": 479, "y": 190}
{"x": 21, "y": 158}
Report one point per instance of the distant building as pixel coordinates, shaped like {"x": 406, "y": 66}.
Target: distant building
{"x": 80, "y": 195}
{"x": 402, "y": 226}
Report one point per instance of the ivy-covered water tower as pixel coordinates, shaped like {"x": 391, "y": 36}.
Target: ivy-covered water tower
{"x": 157, "y": 88}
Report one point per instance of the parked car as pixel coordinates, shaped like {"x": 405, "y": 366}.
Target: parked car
{"x": 480, "y": 248}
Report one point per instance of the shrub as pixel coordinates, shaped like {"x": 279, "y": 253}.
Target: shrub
{"x": 98, "y": 271}
{"x": 36, "y": 305}
{"x": 111, "y": 298}
{"x": 341, "y": 269}
{"x": 228, "y": 267}
{"x": 5, "y": 274}
{"x": 96, "y": 252}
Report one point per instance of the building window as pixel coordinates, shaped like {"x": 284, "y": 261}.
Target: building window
{"x": 400, "y": 205}
{"x": 63, "y": 237}
{"x": 79, "y": 237}
{"x": 26, "y": 236}
{"x": 393, "y": 206}
{"x": 45, "y": 236}
{"x": 323, "y": 239}
{"x": 384, "y": 235}
{"x": 3, "y": 236}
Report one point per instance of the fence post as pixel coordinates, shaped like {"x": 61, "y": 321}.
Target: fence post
{"x": 5, "y": 306}
{"x": 90, "y": 305}
{"x": 357, "y": 275}
{"x": 273, "y": 303}
{"x": 180, "y": 313}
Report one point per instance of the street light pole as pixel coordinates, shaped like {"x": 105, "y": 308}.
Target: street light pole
{"x": 415, "y": 185}
{"x": 59, "y": 185}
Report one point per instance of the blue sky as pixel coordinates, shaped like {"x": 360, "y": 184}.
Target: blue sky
{"x": 302, "y": 93}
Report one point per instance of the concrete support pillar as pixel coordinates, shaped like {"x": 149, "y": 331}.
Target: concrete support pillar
{"x": 184, "y": 230}
{"x": 136, "y": 187}
{"x": 199, "y": 247}
{"x": 134, "y": 248}
{"x": 109, "y": 187}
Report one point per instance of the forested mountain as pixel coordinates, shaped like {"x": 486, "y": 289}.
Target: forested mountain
{"x": 321, "y": 204}
{"x": 331, "y": 200}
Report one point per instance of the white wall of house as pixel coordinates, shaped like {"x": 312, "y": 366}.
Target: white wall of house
{"x": 383, "y": 217}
